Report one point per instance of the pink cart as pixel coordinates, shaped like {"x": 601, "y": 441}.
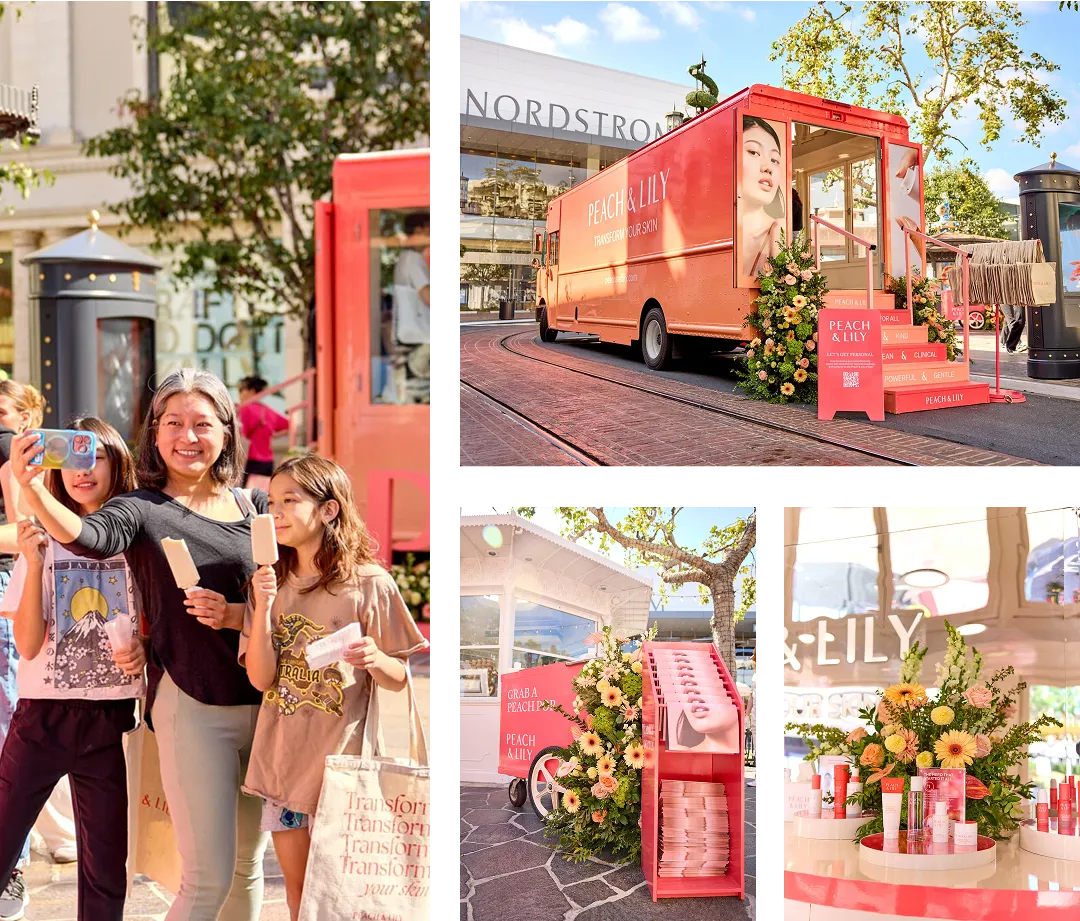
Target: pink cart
{"x": 529, "y": 735}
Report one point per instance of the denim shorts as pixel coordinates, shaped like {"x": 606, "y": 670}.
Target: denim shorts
{"x": 276, "y": 817}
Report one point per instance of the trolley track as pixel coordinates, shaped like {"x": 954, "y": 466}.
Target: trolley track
{"x": 577, "y": 454}
{"x": 510, "y": 343}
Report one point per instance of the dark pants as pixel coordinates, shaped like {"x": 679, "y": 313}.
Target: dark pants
{"x": 51, "y": 738}
{"x": 1012, "y": 326}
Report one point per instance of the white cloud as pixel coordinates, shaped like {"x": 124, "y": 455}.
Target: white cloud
{"x": 1073, "y": 151}
{"x": 626, "y": 24}
{"x": 520, "y": 34}
{"x": 683, "y": 14}
{"x": 569, "y": 31}
{"x": 737, "y": 9}
{"x": 1000, "y": 182}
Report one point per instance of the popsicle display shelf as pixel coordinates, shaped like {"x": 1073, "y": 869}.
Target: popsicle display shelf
{"x": 669, "y": 757}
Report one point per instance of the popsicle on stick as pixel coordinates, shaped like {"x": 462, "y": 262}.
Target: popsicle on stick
{"x": 180, "y": 562}
{"x": 263, "y": 541}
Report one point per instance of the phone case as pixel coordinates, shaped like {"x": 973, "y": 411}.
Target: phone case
{"x": 66, "y": 449}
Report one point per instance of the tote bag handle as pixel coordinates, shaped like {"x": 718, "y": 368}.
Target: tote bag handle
{"x": 373, "y": 745}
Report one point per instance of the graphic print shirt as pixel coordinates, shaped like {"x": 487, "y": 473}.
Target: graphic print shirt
{"x": 78, "y": 596}
{"x": 309, "y": 714}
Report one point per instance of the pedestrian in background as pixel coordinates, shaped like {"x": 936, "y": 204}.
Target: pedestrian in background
{"x": 259, "y": 424}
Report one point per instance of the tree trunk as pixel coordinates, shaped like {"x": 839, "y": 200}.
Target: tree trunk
{"x": 723, "y": 623}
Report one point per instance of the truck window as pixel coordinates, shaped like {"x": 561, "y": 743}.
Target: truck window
{"x": 553, "y": 249}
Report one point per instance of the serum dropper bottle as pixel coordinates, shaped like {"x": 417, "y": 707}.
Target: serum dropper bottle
{"x": 915, "y": 808}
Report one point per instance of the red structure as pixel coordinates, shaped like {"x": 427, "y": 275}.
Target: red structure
{"x": 382, "y": 444}
{"x": 706, "y": 765}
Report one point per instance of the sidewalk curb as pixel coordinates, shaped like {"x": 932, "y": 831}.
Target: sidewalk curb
{"x": 1042, "y": 388}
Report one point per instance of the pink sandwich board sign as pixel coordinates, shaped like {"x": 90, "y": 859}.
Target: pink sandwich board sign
{"x": 850, "y": 375}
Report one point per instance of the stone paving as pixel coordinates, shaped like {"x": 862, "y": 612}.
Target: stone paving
{"x": 510, "y": 870}
{"x": 620, "y": 426}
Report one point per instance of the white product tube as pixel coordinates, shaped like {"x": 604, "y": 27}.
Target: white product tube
{"x": 891, "y": 817}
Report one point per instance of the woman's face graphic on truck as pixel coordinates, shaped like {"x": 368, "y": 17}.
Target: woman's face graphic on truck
{"x": 762, "y": 166}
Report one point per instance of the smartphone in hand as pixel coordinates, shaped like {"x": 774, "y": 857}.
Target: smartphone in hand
{"x": 66, "y": 449}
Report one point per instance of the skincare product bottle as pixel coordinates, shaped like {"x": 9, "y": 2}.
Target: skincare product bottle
{"x": 915, "y": 808}
{"x": 1042, "y": 812}
{"x": 1065, "y": 810}
{"x": 840, "y": 790}
{"x": 941, "y": 822}
{"x": 1053, "y": 795}
{"x": 892, "y": 795}
{"x": 814, "y": 811}
{"x": 966, "y": 834}
{"x": 854, "y": 810}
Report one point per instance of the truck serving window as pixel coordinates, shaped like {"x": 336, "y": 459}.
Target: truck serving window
{"x": 553, "y": 251}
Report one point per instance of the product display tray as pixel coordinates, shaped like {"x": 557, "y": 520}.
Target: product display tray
{"x": 923, "y": 854}
{"x": 826, "y": 826}
{"x": 1050, "y": 843}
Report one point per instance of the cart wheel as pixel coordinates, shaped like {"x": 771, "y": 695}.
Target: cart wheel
{"x": 547, "y": 334}
{"x": 976, "y": 320}
{"x": 518, "y": 792}
{"x": 545, "y": 792}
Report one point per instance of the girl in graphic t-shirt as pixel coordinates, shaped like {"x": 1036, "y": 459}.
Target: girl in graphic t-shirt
{"x": 76, "y": 693}
{"x": 326, "y": 578}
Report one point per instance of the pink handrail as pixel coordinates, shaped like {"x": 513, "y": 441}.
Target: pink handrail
{"x": 308, "y": 377}
{"x": 866, "y": 244}
{"x": 964, "y": 257}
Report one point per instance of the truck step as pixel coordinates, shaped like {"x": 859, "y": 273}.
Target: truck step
{"x": 935, "y": 396}
{"x": 922, "y": 375}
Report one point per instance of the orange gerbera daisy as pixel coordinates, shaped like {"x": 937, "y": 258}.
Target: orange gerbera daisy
{"x": 955, "y": 749}
{"x": 906, "y": 696}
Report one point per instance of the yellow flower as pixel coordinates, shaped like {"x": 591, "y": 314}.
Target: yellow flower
{"x": 942, "y": 716}
{"x": 787, "y": 389}
{"x": 925, "y": 759}
{"x": 634, "y": 755}
{"x": 895, "y": 743}
{"x": 906, "y": 696}
{"x": 590, "y": 744}
{"x": 602, "y": 685}
{"x": 798, "y": 300}
{"x": 571, "y": 802}
{"x": 955, "y": 749}
{"x": 636, "y": 668}
{"x": 626, "y": 657}
{"x": 612, "y": 697}
{"x": 593, "y": 773}
{"x": 605, "y": 765}
{"x": 887, "y": 730}
{"x": 800, "y": 375}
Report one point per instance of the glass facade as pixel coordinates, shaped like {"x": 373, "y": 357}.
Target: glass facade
{"x": 543, "y": 635}
{"x": 504, "y": 199}
{"x": 479, "y": 645}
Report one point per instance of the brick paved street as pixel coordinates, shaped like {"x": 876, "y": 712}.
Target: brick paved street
{"x": 509, "y": 870}
{"x": 622, "y": 426}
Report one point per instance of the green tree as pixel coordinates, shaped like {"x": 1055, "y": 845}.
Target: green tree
{"x": 972, "y": 205}
{"x": 648, "y": 535}
{"x": 21, "y": 176}
{"x": 257, "y": 102}
{"x": 925, "y": 61}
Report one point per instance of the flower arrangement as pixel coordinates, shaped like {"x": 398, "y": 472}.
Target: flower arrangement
{"x": 966, "y": 725}
{"x": 926, "y": 301}
{"x": 414, "y": 581}
{"x": 781, "y": 362}
{"x": 601, "y": 769}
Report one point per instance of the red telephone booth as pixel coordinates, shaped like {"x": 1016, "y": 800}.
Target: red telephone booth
{"x": 371, "y": 338}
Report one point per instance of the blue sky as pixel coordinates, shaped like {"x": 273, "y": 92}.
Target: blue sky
{"x": 692, "y": 526}
{"x": 661, "y": 39}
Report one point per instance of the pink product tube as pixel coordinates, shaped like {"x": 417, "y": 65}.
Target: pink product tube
{"x": 814, "y": 810}
{"x": 1054, "y": 795}
{"x": 840, "y": 782}
{"x": 1042, "y": 812}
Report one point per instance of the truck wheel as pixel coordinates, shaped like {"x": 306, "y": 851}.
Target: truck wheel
{"x": 545, "y": 791}
{"x": 547, "y": 334}
{"x": 655, "y": 341}
{"x": 518, "y": 792}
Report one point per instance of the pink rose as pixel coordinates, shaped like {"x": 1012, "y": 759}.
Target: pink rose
{"x": 978, "y": 696}
{"x": 600, "y": 791}
{"x": 982, "y": 746}
{"x": 762, "y": 375}
{"x": 807, "y": 274}
{"x": 873, "y": 756}
{"x": 609, "y": 783}
{"x": 804, "y": 362}
{"x": 883, "y": 714}
{"x": 1010, "y": 711}
{"x": 855, "y": 735}
{"x": 599, "y": 816}
{"x": 811, "y": 345}
{"x": 790, "y": 279}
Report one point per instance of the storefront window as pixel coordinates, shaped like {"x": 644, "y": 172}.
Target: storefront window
{"x": 400, "y": 311}
{"x": 7, "y": 324}
{"x": 479, "y": 645}
{"x": 835, "y": 578}
{"x": 1053, "y": 570}
{"x": 940, "y": 559}
{"x": 126, "y": 350}
{"x": 543, "y": 635}
{"x": 1054, "y": 756}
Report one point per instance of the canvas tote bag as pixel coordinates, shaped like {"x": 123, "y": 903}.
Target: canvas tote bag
{"x": 370, "y": 840}
{"x": 151, "y": 841}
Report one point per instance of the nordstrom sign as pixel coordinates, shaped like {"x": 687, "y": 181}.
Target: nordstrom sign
{"x": 534, "y": 113}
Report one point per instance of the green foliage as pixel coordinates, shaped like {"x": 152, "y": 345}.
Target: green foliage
{"x": 260, "y": 99}
{"x": 607, "y": 734}
{"x": 973, "y": 207}
{"x": 926, "y": 295}
{"x": 23, "y": 177}
{"x": 781, "y": 363}
{"x": 872, "y": 57}
{"x": 702, "y": 99}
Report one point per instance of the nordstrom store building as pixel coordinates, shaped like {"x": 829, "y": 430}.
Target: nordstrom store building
{"x": 532, "y": 126}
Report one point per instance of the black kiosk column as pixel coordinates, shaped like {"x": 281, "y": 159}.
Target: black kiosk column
{"x": 1050, "y": 212}
{"x": 92, "y": 307}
